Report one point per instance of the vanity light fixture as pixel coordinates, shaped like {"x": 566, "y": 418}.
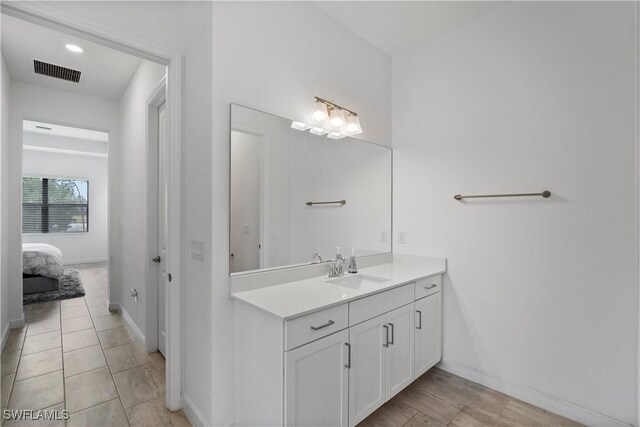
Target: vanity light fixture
{"x": 330, "y": 119}
{"x": 300, "y": 126}
{"x": 318, "y": 131}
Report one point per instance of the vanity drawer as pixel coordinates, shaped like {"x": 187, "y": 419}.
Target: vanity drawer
{"x": 428, "y": 286}
{"x": 315, "y": 325}
{"x": 375, "y": 305}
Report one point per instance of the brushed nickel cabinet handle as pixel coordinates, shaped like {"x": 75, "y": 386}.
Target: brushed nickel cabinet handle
{"x": 348, "y": 365}
{"x": 430, "y": 286}
{"x": 393, "y": 334}
{"x": 386, "y": 329}
{"x": 419, "y": 319}
{"x": 317, "y": 328}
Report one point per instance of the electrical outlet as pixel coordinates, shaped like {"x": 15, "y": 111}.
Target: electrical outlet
{"x": 197, "y": 249}
{"x": 246, "y": 229}
{"x": 383, "y": 236}
{"x": 401, "y": 238}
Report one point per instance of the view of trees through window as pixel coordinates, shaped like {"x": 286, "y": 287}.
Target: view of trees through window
{"x": 52, "y": 205}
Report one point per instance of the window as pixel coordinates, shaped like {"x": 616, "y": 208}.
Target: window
{"x": 52, "y": 205}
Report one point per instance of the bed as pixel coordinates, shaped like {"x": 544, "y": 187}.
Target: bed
{"x": 41, "y": 267}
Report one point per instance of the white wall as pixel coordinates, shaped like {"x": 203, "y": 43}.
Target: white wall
{"x": 541, "y": 295}
{"x": 49, "y": 105}
{"x": 184, "y": 27}
{"x": 132, "y": 194}
{"x": 275, "y": 57}
{"x": 4, "y": 187}
{"x": 76, "y": 248}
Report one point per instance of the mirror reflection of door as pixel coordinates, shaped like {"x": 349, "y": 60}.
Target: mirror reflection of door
{"x": 246, "y": 161}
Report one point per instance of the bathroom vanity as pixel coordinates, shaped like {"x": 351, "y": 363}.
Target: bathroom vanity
{"x": 329, "y": 352}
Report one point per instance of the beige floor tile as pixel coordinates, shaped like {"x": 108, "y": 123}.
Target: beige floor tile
{"x": 40, "y": 363}
{"x": 15, "y": 340}
{"x": 83, "y": 360}
{"x": 41, "y": 310}
{"x": 57, "y": 422}
{"x": 95, "y": 301}
{"x": 115, "y": 337}
{"x": 89, "y": 389}
{"x": 159, "y": 363}
{"x": 76, "y": 324}
{"x": 72, "y": 302}
{"x": 109, "y": 322}
{"x": 138, "y": 385}
{"x": 154, "y": 413}
{"x": 102, "y": 311}
{"x": 79, "y": 339}
{"x": 40, "y": 326}
{"x": 10, "y": 361}
{"x": 75, "y": 311}
{"x": 38, "y": 393}
{"x": 126, "y": 357}
{"x": 6, "y": 383}
{"x": 40, "y": 342}
{"x": 108, "y": 414}
{"x": 98, "y": 292}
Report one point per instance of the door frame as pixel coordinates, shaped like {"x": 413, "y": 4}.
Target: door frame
{"x": 154, "y": 101}
{"x": 48, "y": 16}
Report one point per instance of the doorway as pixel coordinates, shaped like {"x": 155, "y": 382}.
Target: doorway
{"x": 171, "y": 270}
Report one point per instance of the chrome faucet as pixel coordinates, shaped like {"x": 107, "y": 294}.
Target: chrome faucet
{"x": 318, "y": 257}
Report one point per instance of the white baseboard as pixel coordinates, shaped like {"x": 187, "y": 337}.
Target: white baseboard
{"x": 115, "y": 306}
{"x": 529, "y": 395}
{"x": 5, "y": 336}
{"x": 84, "y": 261}
{"x": 17, "y": 323}
{"x": 192, "y": 412}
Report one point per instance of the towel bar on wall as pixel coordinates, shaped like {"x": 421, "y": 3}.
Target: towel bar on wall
{"x": 546, "y": 194}
{"x": 335, "y": 202}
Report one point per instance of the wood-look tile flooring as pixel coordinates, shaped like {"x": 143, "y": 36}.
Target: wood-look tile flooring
{"x": 439, "y": 399}
{"x": 77, "y": 355}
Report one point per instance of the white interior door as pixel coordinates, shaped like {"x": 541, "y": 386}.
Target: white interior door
{"x": 400, "y": 350}
{"x": 163, "y": 230}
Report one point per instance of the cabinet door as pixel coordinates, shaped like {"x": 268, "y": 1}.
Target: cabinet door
{"x": 367, "y": 374}
{"x": 428, "y": 335}
{"x": 316, "y": 382}
{"x": 400, "y": 350}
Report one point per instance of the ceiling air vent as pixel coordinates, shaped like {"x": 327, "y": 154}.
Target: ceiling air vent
{"x": 56, "y": 71}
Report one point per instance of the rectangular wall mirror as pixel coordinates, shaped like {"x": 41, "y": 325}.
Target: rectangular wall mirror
{"x": 279, "y": 174}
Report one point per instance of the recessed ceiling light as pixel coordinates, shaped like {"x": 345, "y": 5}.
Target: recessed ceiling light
{"x": 74, "y": 48}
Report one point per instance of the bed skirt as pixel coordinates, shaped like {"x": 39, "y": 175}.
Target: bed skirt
{"x": 32, "y": 284}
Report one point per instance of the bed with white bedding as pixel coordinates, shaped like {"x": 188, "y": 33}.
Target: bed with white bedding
{"x": 41, "y": 267}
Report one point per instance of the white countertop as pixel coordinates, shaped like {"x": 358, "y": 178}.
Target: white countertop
{"x": 294, "y": 299}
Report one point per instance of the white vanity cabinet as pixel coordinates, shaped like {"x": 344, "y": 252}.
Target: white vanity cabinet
{"x": 334, "y": 366}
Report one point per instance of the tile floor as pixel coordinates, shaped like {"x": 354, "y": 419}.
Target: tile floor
{"x": 439, "y": 399}
{"x": 77, "y": 355}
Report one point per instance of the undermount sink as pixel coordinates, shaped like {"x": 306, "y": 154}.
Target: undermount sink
{"x": 356, "y": 280}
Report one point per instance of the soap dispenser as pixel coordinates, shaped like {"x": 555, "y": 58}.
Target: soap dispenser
{"x": 353, "y": 268}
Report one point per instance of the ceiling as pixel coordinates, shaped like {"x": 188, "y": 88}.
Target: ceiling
{"x": 105, "y": 72}
{"x": 394, "y": 26}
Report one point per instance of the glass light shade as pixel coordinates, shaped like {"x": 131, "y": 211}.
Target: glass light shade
{"x": 300, "y": 126}
{"x": 337, "y": 119}
{"x": 353, "y": 125}
{"x": 319, "y": 112}
{"x": 335, "y": 135}
{"x": 318, "y": 131}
